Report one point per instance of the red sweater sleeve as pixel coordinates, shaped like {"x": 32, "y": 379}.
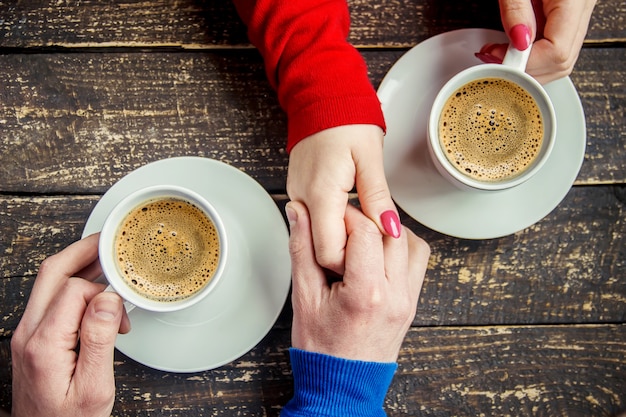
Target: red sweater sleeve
{"x": 320, "y": 79}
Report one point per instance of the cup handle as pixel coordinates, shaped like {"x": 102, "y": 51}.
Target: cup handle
{"x": 516, "y": 58}
{"x": 128, "y": 306}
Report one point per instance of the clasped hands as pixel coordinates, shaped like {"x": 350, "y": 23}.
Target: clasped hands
{"x": 365, "y": 316}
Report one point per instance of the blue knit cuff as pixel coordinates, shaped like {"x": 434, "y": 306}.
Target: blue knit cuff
{"x": 329, "y": 386}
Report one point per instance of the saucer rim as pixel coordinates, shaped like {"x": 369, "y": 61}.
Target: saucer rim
{"x": 427, "y": 198}
{"x": 152, "y": 173}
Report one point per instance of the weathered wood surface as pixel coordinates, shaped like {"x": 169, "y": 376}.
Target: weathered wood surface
{"x": 543, "y": 371}
{"x": 567, "y": 268}
{"x": 195, "y": 24}
{"x": 528, "y": 324}
{"x": 147, "y": 106}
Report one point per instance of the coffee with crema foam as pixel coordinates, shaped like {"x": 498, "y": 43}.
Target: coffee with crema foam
{"x": 491, "y": 129}
{"x": 167, "y": 249}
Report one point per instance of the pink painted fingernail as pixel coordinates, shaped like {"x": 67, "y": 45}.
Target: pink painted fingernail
{"x": 391, "y": 223}
{"x": 487, "y": 48}
{"x": 488, "y": 58}
{"x": 520, "y": 37}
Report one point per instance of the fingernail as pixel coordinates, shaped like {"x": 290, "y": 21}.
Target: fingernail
{"x": 292, "y": 215}
{"x": 487, "y": 48}
{"x": 106, "y": 308}
{"x": 520, "y": 37}
{"x": 488, "y": 58}
{"x": 391, "y": 223}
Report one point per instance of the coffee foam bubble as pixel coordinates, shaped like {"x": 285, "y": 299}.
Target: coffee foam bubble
{"x": 491, "y": 129}
{"x": 167, "y": 249}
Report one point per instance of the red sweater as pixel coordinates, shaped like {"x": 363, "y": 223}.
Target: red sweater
{"x": 321, "y": 80}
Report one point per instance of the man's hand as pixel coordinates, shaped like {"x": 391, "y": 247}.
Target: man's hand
{"x": 366, "y": 315}
{"x": 49, "y": 378}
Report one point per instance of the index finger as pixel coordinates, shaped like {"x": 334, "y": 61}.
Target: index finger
{"x": 396, "y": 252}
{"x": 53, "y": 274}
{"x": 419, "y": 254}
{"x": 329, "y": 231}
{"x": 364, "y": 251}
{"x": 406, "y": 260}
{"x": 554, "y": 55}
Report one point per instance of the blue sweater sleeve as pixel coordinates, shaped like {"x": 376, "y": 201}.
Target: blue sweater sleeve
{"x": 329, "y": 386}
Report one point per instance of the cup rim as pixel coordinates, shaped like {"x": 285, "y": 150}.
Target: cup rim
{"x": 109, "y": 229}
{"x": 447, "y": 169}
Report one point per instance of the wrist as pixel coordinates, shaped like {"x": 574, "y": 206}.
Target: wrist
{"x": 329, "y": 386}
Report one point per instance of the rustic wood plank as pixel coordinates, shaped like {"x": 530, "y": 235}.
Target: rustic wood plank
{"x": 64, "y": 117}
{"x": 147, "y": 106}
{"x": 135, "y": 23}
{"x": 196, "y": 24}
{"x": 569, "y": 370}
{"x": 538, "y": 316}
{"x": 512, "y": 371}
{"x": 567, "y": 268}
{"x": 601, "y": 84}
{"x": 404, "y": 23}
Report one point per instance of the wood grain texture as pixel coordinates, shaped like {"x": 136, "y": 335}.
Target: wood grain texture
{"x": 569, "y": 371}
{"x": 567, "y": 268}
{"x": 147, "y": 106}
{"x": 530, "y": 324}
{"x": 138, "y": 108}
{"x": 194, "y": 24}
{"x": 512, "y": 371}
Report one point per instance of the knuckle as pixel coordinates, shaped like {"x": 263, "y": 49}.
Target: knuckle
{"x": 368, "y": 228}
{"x": 48, "y": 264}
{"x": 422, "y": 246}
{"x": 514, "y": 7}
{"x": 98, "y": 339}
{"x": 18, "y": 341}
{"x": 377, "y": 193}
{"x": 404, "y": 310}
{"x": 328, "y": 259}
{"x": 31, "y": 355}
{"x": 297, "y": 247}
{"x": 74, "y": 288}
{"x": 418, "y": 246}
{"x": 563, "y": 60}
{"x": 367, "y": 303}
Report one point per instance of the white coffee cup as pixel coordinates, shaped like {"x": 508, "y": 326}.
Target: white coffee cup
{"x": 108, "y": 251}
{"x": 513, "y": 70}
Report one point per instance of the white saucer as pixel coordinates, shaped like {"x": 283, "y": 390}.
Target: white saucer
{"x": 407, "y": 93}
{"x": 245, "y": 304}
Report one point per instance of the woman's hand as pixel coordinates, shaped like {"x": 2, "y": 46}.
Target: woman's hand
{"x": 557, "y": 28}
{"x": 323, "y": 169}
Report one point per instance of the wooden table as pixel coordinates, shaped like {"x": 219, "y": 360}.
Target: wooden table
{"x": 528, "y": 324}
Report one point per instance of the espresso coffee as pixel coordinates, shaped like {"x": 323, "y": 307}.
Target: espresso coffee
{"x": 491, "y": 129}
{"x": 167, "y": 249}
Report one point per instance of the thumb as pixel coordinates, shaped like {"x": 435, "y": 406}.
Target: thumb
{"x": 518, "y": 19}
{"x": 374, "y": 194}
{"x": 99, "y": 328}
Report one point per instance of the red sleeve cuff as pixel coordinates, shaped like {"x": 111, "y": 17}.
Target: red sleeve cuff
{"x": 333, "y": 112}
{"x": 321, "y": 80}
